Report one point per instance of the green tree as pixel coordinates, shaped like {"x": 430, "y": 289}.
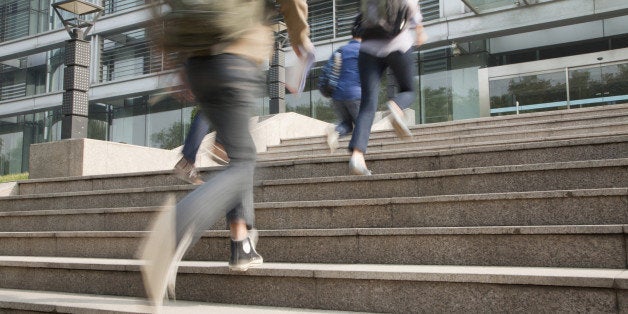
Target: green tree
{"x": 170, "y": 137}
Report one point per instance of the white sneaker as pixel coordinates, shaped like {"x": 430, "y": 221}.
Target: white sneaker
{"x": 157, "y": 252}
{"x": 332, "y": 138}
{"x": 396, "y": 119}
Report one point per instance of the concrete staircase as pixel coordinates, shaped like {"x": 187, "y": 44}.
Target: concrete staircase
{"x": 523, "y": 213}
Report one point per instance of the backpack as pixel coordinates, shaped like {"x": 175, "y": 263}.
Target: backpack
{"x": 194, "y": 25}
{"x": 383, "y": 19}
{"x": 330, "y": 76}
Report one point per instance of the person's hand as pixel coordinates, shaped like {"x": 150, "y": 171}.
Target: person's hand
{"x": 305, "y": 46}
{"x": 421, "y": 36}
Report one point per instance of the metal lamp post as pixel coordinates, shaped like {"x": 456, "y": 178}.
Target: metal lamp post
{"x": 75, "y": 106}
{"x": 277, "y": 71}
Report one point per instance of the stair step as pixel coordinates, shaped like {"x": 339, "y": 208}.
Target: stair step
{"x": 576, "y": 116}
{"x": 593, "y": 174}
{"x": 568, "y": 207}
{"x": 534, "y": 177}
{"x": 509, "y": 131}
{"x": 419, "y": 142}
{"x": 559, "y": 150}
{"x": 594, "y": 246}
{"x": 58, "y": 302}
{"x": 345, "y": 287}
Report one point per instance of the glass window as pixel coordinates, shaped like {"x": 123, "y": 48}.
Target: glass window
{"x": 346, "y": 12}
{"x": 600, "y": 85}
{"x": 320, "y": 19}
{"x": 128, "y": 54}
{"x": 11, "y": 136}
{"x": 56, "y": 67}
{"x": 129, "y": 122}
{"x": 165, "y": 126}
{"x": 17, "y": 133}
{"x": 115, "y": 6}
{"x": 98, "y": 124}
{"x": 430, "y": 9}
{"x": 21, "y": 18}
{"x": 529, "y": 93}
{"x": 23, "y": 76}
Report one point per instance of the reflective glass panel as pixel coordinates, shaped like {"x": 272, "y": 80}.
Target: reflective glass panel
{"x": 11, "y": 137}
{"x": 23, "y": 76}
{"x": 600, "y": 85}
{"x": 165, "y": 126}
{"x": 530, "y": 93}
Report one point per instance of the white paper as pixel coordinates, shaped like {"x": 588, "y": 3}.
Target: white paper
{"x": 297, "y": 75}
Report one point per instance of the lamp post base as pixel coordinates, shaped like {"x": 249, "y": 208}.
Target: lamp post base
{"x": 73, "y": 126}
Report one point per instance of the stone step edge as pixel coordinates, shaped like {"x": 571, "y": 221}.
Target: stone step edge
{"x": 562, "y": 116}
{"x": 428, "y": 142}
{"x": 352, "y": 202}
{"x": 559, "y": 141}
{"x": 323, "y": 153}
{"x": 620, "y": 162}
{"x": 321, "y": 139}
{"x": 349, "y": 232}
{"x": 451, "y": 150}
{"x": 543, "y": 276}
{"x": 61, "y": 302}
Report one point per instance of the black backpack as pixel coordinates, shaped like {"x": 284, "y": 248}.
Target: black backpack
{"x": 383, "y": 19}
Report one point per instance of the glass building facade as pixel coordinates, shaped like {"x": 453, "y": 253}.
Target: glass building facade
{"x": 470, "y": 77}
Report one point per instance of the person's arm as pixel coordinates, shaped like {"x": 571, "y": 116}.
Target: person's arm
{"x": 416, "y": 19}
{"x": 421, "y": 35}
{"x": 295, "y": 14}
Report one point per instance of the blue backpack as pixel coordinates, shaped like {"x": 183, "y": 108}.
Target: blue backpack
{"x": 328, "y": 80}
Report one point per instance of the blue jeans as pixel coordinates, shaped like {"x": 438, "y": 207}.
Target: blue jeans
{"x": 198, "y": 130}
{"x": 371, "y": 71}
{"x": 347, "y": 112}
{"x": 227, "y": 87}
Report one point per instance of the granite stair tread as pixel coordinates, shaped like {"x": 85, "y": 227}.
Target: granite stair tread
{"x": 59, "y": 302}
{"x": 554, "y": 276}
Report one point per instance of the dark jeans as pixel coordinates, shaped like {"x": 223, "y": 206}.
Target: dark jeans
{"x": 227, "y": 87}
{"x": 198, "y": 130}
{"x": 371, "y": 71}
{"x": 347, "y": 112}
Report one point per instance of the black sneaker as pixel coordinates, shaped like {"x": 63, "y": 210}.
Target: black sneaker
{"x": 243, "y": 255}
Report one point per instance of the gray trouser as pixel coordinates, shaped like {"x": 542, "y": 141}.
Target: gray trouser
{"x": 226, "y": 86}
{"x": 346, "y": 112}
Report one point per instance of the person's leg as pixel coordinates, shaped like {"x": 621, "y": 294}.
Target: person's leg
{"x": 353, "y": 108}
{"x": 402, "y": 66}
{"x": 371, "y": 69}
{"x": 227, "y": 97}
{"x": 185, "y": 169}
{"x": 198, "y": 130}
{"x": 347, "y": 112}
{"x": 341, "y": 113}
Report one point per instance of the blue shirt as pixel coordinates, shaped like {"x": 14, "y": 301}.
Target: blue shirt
{"x": 349, "y": 81}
